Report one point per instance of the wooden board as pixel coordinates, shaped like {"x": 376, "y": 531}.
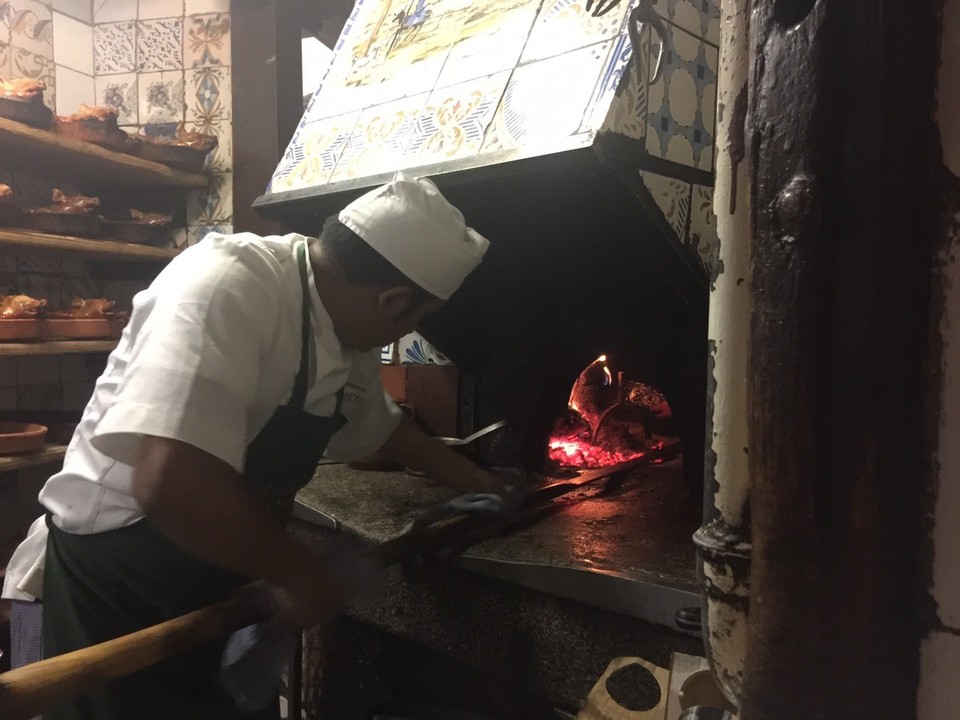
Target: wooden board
{"x": 58, "y": 347}
{"x": 100, "y": 248}
{"x": 41, "y": 152}
{"x": 49, "y": 453}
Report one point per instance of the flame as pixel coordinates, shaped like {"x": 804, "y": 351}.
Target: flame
{"x": 582, "y": 453}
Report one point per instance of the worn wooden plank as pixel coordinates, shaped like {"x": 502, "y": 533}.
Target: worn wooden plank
{"x": 57, "y": 347}
{"x": 49, "y": 453}
{"x": 41, "y": 152}
{"x": 99, "y": 248}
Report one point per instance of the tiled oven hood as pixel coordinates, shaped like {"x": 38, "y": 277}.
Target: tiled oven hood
{"x": 469, "y": 92}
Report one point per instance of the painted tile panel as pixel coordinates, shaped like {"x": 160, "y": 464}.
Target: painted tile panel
{"x": 379, "y": 139}
{"x": 119, "y": 92}
{"x": 212, "y": 205}
{"x": 565, "y": 25}
{"x": 114, "y": 48}
{"x": 547, "y": 99}
{"x": 160, "y": 44}
{"x": 206, "y": 40}
{"x": 455, "y": 119}
{"x": 313, "y": 153}
{"x": 221, "y": 159}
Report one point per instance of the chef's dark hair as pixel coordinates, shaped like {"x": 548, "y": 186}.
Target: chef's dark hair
{"x": 361, "y": 264}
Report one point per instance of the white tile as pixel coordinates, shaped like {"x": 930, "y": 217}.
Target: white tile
{"x": 150, "y": 9}
{"x": 72, "y": 43}
{"x": 195, "y": 7}
{"x": 75, "y": 89}
{"x": 114, "y": 10}
{"x": 80, "y": 9}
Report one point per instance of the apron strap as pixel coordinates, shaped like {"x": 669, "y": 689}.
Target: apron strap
{"x": 299, "y": 395}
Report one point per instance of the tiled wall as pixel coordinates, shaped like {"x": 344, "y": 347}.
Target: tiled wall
{"x": 165, "y": 62}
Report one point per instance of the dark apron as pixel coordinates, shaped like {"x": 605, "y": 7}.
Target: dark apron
{"x": 97, "y": 587}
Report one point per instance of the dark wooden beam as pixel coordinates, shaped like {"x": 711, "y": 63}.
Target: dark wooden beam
{"x": 267, "y": 102}
{"x": 844, "y": 154}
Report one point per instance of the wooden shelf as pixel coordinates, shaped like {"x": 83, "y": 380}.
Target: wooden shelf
{"x": 41, "y": 152}
{"x": 57, "y": 347}
{"x": 49, "y": 453}
{"x": 105, "y": 249}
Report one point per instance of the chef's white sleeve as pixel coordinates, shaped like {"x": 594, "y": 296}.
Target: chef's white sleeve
{"x": 371, "y": 414}
{"x": 194, "y": 368}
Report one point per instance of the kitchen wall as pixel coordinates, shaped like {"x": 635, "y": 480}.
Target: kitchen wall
{"x": 165, "y": 62}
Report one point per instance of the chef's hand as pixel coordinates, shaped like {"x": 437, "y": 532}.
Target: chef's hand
{"x": 509, "y": 485}
{"x": 322, "y": 591}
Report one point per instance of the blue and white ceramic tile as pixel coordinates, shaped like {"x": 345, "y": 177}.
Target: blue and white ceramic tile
{"x": 77, "y": 395}
{"x": 48, "y": 396}
{"x": 548, "y": 99}
{"x": 114, "y": 48}
{"x": 455, "y": 119}
{"x": 120, "y": 93}
{"x": 212, "y": 205}
{"x": 313, "y": 153}
{"x": 209, "y": 95}
{"x": 206, "y": 40}
{"x": 75, "y": 89}
{"x": 703, "y": 227}
{"x": 621, "y": 98}
{"x": 565, "y": 25}
{"x": 31, "y": 25}
{"x": 415, "y": 350}
{"x": 673, "y": 198}
{"x": 73, "y": 43}
{"x": 179, "y": 237}
{"x": 379, "y": 139}
{"x": 221, "y": 159}
{"x": 24, "y": 63}
{"x": 160, "y": 44}
{"x": 196, "y": 233}
{"x": 161, "y": 97}
{"x": 676, "y": 128}
{"x": 152, "y": 9}
{"x": 107, "y": 11}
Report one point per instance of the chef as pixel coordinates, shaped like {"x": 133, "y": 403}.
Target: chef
{"x": 245, "y": 361}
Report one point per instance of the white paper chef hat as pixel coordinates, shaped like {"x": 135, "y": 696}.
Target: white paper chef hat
{"x": 414, "y": 227}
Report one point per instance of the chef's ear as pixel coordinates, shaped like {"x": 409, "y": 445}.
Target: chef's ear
{"x": 394, "y": 302}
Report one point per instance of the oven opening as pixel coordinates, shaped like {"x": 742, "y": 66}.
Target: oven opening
{"x": 612, "y": 417}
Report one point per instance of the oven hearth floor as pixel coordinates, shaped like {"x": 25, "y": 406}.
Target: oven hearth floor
{"x": 627, "y": 549}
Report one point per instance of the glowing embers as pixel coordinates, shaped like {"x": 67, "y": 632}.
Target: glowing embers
{"x": 609, "y": 419}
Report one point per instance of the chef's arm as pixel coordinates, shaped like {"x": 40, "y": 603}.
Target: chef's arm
{"x": 411, "y": 447}
{"x": 201, "y": 503}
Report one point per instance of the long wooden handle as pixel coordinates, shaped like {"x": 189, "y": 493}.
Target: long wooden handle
{"x": 26, "y": 691}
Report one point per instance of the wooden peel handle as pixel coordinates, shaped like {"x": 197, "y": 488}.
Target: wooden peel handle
{"x": 26, "y": 691}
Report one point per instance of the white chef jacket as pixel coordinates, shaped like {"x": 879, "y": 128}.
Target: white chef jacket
{"x": 211, "y": 349}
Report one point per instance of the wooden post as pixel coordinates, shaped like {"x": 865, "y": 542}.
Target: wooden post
{"x": 845, "y": 211}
